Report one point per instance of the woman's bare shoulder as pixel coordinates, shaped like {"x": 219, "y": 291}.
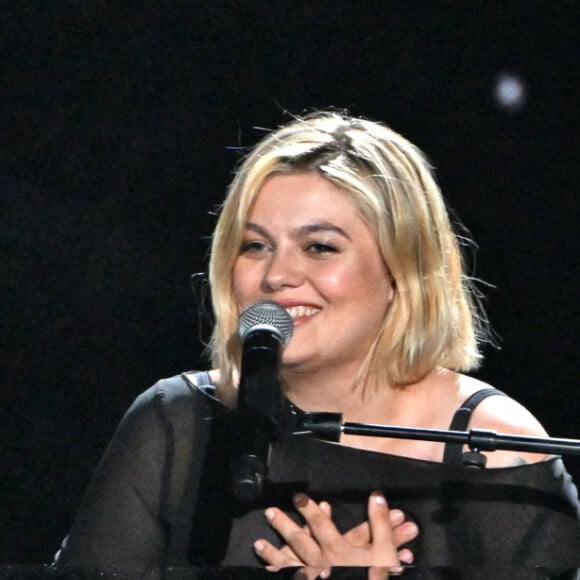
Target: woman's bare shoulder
{"x": 503, "y": 415}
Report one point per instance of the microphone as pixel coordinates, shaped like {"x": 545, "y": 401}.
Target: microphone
{"x": 265, "y": 328}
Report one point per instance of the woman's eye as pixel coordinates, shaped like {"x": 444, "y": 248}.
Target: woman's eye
{"x": 318, "y": 248}
{"x": 252, "y": 247}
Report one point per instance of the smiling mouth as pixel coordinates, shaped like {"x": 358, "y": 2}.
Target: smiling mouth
{"x": 300, "y": 313}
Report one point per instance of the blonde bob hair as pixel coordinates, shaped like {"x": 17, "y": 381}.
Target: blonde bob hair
{"x": 432, "y": 320}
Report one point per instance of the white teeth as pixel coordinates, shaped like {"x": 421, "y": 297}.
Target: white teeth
{"x": 301, "y": 311}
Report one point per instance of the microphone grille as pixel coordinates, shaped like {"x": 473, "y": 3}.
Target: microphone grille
{"x": 266, "y": 314}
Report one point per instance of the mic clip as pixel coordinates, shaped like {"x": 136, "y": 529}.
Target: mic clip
{"x": 324, "y": 425}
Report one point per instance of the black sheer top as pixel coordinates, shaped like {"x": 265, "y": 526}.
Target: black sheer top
{"x": 160, "y": 495}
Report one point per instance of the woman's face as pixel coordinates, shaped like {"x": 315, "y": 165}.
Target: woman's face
{"x": 306, "y": 247}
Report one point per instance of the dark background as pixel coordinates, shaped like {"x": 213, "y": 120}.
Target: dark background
{"x": 116, "y": 135}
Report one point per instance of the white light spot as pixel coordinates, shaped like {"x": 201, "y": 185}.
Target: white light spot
{"x": 510, "y": 92}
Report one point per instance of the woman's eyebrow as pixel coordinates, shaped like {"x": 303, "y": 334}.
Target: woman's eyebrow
{"x": 256, "y": 228}
{"x": 322, "y": 226}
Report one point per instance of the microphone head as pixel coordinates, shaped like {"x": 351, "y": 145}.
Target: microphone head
{"x": 266, "y": 315}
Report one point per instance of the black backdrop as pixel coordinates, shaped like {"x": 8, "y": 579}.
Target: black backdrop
{"x": 116, "y": 131}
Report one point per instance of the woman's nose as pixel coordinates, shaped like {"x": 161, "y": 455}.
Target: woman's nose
{"x": 283, "y": 271}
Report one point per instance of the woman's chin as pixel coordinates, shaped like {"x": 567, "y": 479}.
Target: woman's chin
{"x": 295, "y": 363}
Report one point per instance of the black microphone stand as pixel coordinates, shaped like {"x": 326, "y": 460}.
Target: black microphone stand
{"x": 329, "y": 427}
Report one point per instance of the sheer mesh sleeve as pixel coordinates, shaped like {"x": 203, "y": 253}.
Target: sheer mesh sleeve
{"x": 137, "y": 511}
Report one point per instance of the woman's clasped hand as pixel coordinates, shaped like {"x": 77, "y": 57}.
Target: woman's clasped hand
{"x": 375, "y": 542}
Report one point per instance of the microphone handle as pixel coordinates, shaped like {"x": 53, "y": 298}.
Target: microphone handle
{"x": 259, "y": 384}
{"x": 258, "y": 413}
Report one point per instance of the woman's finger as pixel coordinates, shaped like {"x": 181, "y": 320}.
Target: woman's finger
{"x": 404, "y": 533}
{"x": 321, "y": 525}
{"x": 299, "y": 541}
{"x": 326, "y": 508}
{"x": 397, "y": 517}
{"x": 406, "y": 556}
{"x": 312, "y": 572}
{"x": 359, "y": 535}
{"x": 379, "y": 573}
{"x": 275, "y": 557}
{"x": 381, "y": 530}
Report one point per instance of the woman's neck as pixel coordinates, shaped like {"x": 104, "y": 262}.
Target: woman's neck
{"x": 366, "y": 400}
{"x": 332, "y": 390}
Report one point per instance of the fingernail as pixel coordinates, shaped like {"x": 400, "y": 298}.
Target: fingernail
{"x": 325, "y": 573}
{"x": 397, "y": 517}
{"x": 300, "y": 499}
{"x": 270, "y": 514}
{"x": 324, "y": 506}
{"x": 378, "y": 498}
{"x": 411, "y": 530}
{"x": 258, "y": 546}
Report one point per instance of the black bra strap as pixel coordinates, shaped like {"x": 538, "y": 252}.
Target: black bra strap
{"x": 453, "y": 451}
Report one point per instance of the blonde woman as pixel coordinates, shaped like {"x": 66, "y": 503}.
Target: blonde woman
{"x": 340, "y": 221}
